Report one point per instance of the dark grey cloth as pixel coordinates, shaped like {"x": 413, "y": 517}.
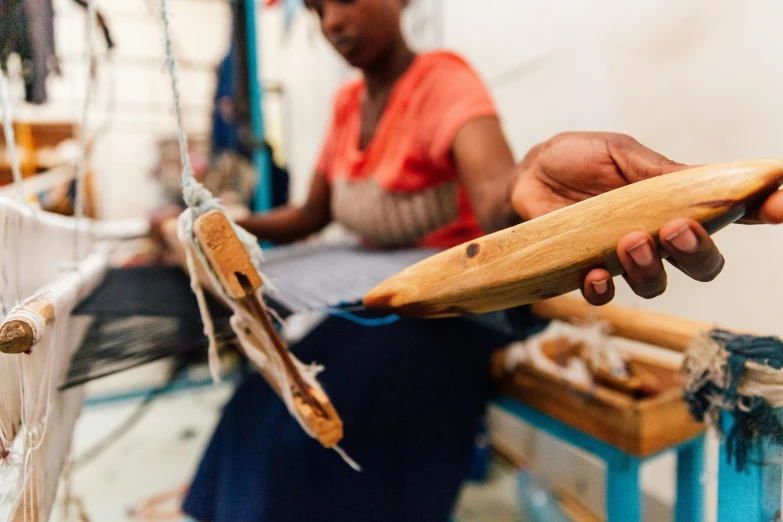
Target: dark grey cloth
{"x": 27, "y": 29}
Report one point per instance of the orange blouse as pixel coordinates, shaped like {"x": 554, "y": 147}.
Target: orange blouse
{"x": 403, "y": 189}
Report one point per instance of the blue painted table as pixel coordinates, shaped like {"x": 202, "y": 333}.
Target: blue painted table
{"x": 623, "y": 489}
{"x": 755, "y": 493}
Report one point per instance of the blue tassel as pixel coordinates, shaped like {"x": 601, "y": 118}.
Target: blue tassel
{"x": 753, "y": 417}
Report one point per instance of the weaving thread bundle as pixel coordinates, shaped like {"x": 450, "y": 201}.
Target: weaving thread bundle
{"x": 738, "y": 375}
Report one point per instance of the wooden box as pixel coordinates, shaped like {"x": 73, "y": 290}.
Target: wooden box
{"x": 641, "y": 427}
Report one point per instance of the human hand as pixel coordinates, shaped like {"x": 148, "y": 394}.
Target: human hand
{"x": 157, "y": 221}
{"x": 574, "y": 166}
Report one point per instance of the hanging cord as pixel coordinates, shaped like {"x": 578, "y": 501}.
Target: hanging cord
{"x": 10, "y": 139}
{"x": 193, "y": 192}
{"x": 82, "y": 167}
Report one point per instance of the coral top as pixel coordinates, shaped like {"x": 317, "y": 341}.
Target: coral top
{"x": 403, "y": 189}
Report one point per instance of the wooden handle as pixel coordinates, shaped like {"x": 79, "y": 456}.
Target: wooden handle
{"x": 665, "y": 331}
{"x": 239, "y": 279}
{"x": 551, "y": 255}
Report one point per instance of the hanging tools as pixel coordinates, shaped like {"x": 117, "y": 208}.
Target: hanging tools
{"x": 240, "y": 282}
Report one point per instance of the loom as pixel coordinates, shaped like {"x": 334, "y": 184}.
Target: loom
{"x": 40, "y": 334}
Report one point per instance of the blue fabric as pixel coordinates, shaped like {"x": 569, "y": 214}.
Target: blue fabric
{"x": 225, "y": 135}
{"x": 411, "y": 395}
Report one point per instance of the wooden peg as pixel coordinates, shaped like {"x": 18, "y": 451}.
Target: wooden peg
{"x": 550, "y": 255}
{"x": 240, "y": 280}
{"x": 18, "y": 333}
{"x": 226, "y": 253}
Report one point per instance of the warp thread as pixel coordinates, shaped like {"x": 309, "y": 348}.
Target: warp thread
{"x": 741, "y": 376}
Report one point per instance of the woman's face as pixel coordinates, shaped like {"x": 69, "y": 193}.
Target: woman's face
{"x": 360, "y": 30}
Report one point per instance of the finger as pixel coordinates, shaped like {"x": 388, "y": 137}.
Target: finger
{"x": 692, "y": 250}
{"x": 770, "y": 212}
{"x": 638, "y": 162}
{"x": 598, "y": 287}
{"x": 643, "y": 267}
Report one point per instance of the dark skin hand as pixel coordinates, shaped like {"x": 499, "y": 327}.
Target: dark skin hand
{"x": 572, "y": 167}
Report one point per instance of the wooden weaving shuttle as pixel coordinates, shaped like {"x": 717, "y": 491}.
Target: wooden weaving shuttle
{"x": 550, "y": 255}
{"x": 241, "y": 281}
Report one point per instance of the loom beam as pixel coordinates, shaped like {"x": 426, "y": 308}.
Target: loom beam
{"x": 551, "y": 255}
{"x": 20, "y": 334}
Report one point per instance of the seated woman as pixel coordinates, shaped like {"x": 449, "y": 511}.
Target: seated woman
{"x": 414, "y": 156}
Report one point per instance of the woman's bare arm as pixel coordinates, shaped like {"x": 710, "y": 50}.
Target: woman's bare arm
{"x": 292, "y": 223}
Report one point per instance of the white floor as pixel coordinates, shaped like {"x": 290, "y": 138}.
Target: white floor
{"x": 156, "y": 455}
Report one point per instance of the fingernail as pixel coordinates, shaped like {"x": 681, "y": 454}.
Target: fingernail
{"x": 684, "y": 240}
{"x": 641, "y": 253}
{"x": 600, "y": 287}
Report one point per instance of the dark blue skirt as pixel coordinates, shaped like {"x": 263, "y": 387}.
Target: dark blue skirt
{"x": 411, "y": 395}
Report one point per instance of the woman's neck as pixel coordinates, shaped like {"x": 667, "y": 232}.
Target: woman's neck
{"x": 388, "y": 68}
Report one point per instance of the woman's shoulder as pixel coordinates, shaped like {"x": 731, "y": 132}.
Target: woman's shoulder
{"x": 444, "y": 65}
{"x": 444, "y": 58}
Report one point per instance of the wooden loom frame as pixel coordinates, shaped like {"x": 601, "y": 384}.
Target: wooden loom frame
{"x": 17, "y": 335}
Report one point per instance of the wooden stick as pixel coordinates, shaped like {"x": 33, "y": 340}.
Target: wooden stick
{"x": 239, "y": 278}
{"x": 665, "y": 331}
{"x": 550, "y": 255}
{"x": 19, "y": 334}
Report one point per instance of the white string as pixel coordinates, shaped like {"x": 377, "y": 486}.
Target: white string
{"x": 90, "y": 19}
{"x": 188, "y": 178}
{"x": 10, "y": 139}
{"x": 36, "y": 322}
{"x": 206, "y": 318}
